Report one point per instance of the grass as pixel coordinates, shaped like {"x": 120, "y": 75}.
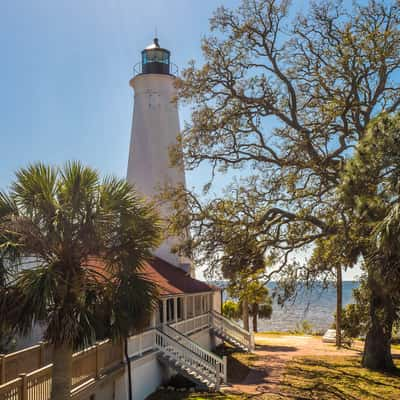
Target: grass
{"x": 307, "y": 378}
{"x": 310, "y": 378}
{"x": 334, "y": 377}
{"x": 326, "y": 378}
{"x": 165, "y": 395}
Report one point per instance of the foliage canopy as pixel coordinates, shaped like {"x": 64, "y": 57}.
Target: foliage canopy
{"x": 285, "y": 99}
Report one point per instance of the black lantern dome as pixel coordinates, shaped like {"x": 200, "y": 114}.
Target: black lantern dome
{"x": 155, "y": 60}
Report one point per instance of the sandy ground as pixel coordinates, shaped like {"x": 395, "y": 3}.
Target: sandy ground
{"x": 274, "y": 352}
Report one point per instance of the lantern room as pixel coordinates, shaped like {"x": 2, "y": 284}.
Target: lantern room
{"x": 155, "y": 60}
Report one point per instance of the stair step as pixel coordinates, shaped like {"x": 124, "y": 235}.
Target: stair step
{"x": 193, "y": 366}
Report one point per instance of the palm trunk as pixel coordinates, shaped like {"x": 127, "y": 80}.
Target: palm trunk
{"x": 255, "y": 316}
{"x": 339, "y": 306}
{"x": 245, "y": 314}
{"x": 62, "y": 373}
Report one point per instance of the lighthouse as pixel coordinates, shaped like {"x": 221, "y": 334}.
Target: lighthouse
{"x": 155, "y": 128}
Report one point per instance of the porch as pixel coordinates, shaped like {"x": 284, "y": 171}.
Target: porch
{"x": 180, "y": 337}
{"x": 27, "y": 374}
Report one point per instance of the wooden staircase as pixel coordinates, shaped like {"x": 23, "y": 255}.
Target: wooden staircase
{"x": 186, "y": 357}
{"x": 202, "y": 367}
{"x": 231, "y": 332}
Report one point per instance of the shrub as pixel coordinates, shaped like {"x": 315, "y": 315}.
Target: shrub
{"x": 303, "y": 328}
{"x": 231, "y": 310}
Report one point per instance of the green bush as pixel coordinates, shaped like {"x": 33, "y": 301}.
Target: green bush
{"x": 303, "y": 328}
{"x": 353, "y": 323}
{"x": 231, "y": 310}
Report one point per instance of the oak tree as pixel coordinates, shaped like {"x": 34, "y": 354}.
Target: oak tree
{"x": 282, "y": 100}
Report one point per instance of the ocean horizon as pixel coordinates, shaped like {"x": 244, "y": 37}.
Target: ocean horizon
{"x": 316, "y": 306}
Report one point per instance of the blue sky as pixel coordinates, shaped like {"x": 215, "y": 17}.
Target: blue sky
{"x": 64, "y": 73}
{"x": 65, "y": 68}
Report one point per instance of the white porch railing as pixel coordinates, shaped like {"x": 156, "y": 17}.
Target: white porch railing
{"x": 144, "y": 341}
{"x": 230, "y": 329}
{"x": 191, "y": 325}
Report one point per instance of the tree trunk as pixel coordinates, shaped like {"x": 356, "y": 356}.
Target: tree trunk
{"x": 62, "y": 373}
{"x": 245, "y": 314}
{"x": 255, "y": 316}
{"x": 339, "y": 306}
{"x": 377, "y": 352}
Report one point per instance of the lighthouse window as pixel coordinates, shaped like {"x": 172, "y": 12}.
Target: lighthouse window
{"x": 159, "y": 56}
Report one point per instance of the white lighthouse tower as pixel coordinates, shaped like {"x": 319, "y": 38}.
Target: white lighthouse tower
{"x": 155, "y": 128}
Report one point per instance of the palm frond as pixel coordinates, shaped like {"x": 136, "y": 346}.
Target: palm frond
{"x": 34, "y": 190}
{"x": 63, "y": 219}
{"x": 8, "y": 207}
{"x": 130, "y": 304}
{"x": 26, "y": 300}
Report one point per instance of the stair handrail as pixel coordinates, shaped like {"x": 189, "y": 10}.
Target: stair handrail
{"x": 206, "y": 355}
{"x": 183, "y": 348}
{"x": 193, "y": 357}
{"x": 233, "y": 329}
{"x": 231, "y": 323}
{"x": 194, "y": 366}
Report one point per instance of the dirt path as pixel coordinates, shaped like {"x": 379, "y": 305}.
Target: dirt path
{"x": 273, "y": 352}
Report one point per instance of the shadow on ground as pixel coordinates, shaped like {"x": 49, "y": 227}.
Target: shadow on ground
{"x": 275, "y": 349}
{"x": 337, "y": 378}
{"x": 239, "y": 362}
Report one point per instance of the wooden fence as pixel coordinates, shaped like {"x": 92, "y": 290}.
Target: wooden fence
{"x": 26, "y": 374}
{"x": 87, "y": 365}
{"x": 24, "y": 361}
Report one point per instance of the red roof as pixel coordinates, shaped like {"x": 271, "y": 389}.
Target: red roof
{"x": 172, "y": 280}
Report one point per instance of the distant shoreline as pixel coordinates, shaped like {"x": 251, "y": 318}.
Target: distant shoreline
{"x": 315, "y": 306}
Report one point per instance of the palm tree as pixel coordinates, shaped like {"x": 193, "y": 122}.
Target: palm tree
{"x": 253, "y": 299}
{"x": 260, "y": 306}
{"x": 77, "y": 244}
{"x": 8, "y": 256}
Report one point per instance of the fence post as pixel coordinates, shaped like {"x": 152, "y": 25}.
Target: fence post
{"x": 42, "y": 354}
{"x": 24, "y": 386}
{"x": 122, "y": 348}
{"x": 97, "y": 360}
{"x": 225, "y": 360}
{"x": 140, "y": 344}
{"x": 2, "y": 369}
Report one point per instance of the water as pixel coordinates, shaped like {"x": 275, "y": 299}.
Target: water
{"x": 316, "y": 306}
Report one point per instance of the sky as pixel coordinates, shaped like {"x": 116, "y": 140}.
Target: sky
{"x": 64, "y": 73}
{"x": 65, "y": 68}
